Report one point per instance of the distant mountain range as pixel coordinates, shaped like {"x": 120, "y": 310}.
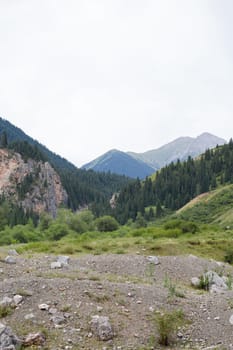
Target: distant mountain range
{"x": 120, "y": 163}
{"x": 143, "y": 164}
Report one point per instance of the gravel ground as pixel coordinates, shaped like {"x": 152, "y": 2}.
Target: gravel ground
{"x": 126, "y": 288}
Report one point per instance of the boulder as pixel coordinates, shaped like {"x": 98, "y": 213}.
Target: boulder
{"x": 12, "y": 252}
{"x": 195, "y": 281}
{"x": 101, "y": 327}
{"x": 153, "y": 259}
{"x": 58, "y": 319}
{"x": 8, "y": 340}
{"x": 6, "y": 301}
{"x": 34, "y": 339}
{"x": 63, "y": 259}
{"x": 215, "y": 279}
{"x": 17, "y": 299}
{"x": 56, "y": 265}
{"x": 10, "y": 259}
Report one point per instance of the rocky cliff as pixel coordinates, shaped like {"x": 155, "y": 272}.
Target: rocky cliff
{"x": 34, "y": 185}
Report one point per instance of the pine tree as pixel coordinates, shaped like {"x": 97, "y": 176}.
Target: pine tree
{"x": 3, "y": 140}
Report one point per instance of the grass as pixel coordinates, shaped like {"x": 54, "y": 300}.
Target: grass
{"x": 5, "y": 310}
{"x": 173, "y": 290}
{"x": 167, "y": 323}
{"x": 210, "y": 242}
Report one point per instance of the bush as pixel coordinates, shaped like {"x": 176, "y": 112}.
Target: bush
{"x": 229, "y": 256}
{"x": 167, "y": 324}
{"x": 184, "y": 226}
{"x": 106, "y": 224}
{"x": 205, "y": 282}
{"x": 56, "y": 231}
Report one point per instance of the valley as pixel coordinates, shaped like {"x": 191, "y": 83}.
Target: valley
{"x": 151, "y": 269}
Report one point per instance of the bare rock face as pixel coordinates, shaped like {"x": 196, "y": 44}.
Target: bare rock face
{"x": 35, "y": 185}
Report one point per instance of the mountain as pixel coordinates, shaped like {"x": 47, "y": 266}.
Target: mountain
{"x": 177, "y": 183}
{"x": 83, "y": 187}
{"x": 180, "y": 148}
{"x": 121, "y": 163}
{"x": 143, "y": 164}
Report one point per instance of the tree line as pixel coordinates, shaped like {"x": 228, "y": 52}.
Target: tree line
{"x": 177, "y": 183}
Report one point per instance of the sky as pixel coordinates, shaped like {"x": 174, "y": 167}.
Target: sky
{"x": 86, "y": 76}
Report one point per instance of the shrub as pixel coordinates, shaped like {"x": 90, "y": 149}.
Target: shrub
{"x": 106, "y": 224}
{"x": 5, "y": 310}
{"x": 184, "y": 226}
{"x": 229, "y": 256}
{"x": 56, "y": 231}
{"x": 205, "y": 282}
{"x": 172, "y": 288}
{"x": 167, "y": 324}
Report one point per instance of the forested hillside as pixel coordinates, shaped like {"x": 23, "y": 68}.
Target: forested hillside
{"x": 176, "y": 184}
{"x": 83, "y": 186}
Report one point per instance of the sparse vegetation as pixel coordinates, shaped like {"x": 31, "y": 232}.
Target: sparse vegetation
{"x": 167, "y": 323}
{"x": 5, "y": 310}
{"x": 172, "y": 288}
{"x": 205, "y": 282}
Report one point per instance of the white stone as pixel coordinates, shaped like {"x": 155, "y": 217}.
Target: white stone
{"x": 6, "y": 301}
{"x": 63, "y": 259}
{"x": 17, "y": 299}
{"x": 195, "y": 281}
{"x": 10, "y": 260}
{"x": 43, "y": 307}
{"x": 29, "y": 316}
{"x": 153, "y": 259}
{"x": 56, "y": 265}
{"x": 231, "y": 319}
{"x": 12, "y": 252}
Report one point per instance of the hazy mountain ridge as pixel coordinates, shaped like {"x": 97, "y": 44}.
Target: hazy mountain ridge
{"x": 143, "y": 164}
{"x": 180, "y": 148}
{"x": 120, "y": 163}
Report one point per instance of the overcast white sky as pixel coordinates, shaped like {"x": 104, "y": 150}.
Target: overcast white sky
{"x": 85, "y": 76}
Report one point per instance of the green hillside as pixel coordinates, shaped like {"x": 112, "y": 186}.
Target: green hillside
{"x": 176, "y": 184}
{"x": 213, "y": 207}
{"x": 83, "y": 186}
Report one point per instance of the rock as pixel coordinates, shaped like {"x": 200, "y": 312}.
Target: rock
{"x": 58, "y": 319}
{"x": 231, "y": 320}
{"x": 10, "y": 259}
{"x": 6, "y": 301}
{"x": 153, "y": 259}
{"x": 215, "y": 279}
{"x": 43, "y": 307}
{"x": 195, "y": 281}
{"x": 56, "y": 265}
{"x": 8, "y": 340}
{"x": 17, "y": 299}
{"x": 101, "y": 327}
{"x": 34, "y": 339}
{"x": 29, "y": 316}
{"x": 99, "y": 308}
{"x": 52, "y": 311}
{"x": 12, "y": 252}
{"x": 64, "y": 260}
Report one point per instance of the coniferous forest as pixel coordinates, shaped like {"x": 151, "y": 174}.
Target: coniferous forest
{"x": 177, "y": 183}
